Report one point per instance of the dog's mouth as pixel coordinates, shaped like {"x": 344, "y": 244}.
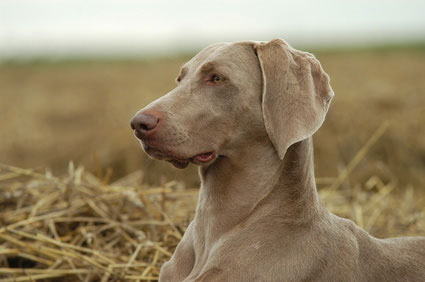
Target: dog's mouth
{"x": 204, "y": 157}
{"x": 178, "y": 160}
{"x": 200, "y": 159}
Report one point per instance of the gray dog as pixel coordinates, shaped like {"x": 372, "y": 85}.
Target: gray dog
{"x": 245, "y": 112}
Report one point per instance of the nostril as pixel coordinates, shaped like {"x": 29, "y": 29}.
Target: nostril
{"x": 144, "y": 127}
{"x": 148, "y": 123}
{"x": 144, "y": 122}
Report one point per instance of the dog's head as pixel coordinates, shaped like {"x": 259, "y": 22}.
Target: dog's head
{"x": 231, "y": 95}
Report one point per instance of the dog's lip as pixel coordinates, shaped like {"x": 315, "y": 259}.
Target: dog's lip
{"x": 204, "y": 157}
{"x": 178, "y": 160}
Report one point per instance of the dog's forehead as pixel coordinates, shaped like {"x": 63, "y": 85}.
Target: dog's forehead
{"x": 217, "y": 53}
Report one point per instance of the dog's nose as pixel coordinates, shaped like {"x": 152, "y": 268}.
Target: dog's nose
{"x": 145, "y": 123}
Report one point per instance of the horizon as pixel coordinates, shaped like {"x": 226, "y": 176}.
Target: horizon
{"x": 48, "y": 28}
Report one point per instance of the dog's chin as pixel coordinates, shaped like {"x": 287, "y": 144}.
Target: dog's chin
{"x": 179, "y": 163}
{"x": 179, "y": 160}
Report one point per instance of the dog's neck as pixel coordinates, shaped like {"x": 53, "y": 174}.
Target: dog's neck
{"x": 233, "y": 188}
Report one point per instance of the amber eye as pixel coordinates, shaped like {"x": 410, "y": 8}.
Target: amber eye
{"x": 216, "y": 78}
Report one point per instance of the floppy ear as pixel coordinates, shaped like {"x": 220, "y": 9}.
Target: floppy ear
{"x": 296, "y": 93}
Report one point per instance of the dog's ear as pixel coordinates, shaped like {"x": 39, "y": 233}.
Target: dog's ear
{"x": 296, "y": 93}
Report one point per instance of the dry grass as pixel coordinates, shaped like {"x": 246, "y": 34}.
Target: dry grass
{"x": 52, "y": 113}
{"x": 78, "y": 228}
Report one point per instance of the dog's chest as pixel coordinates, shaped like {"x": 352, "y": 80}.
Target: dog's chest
{"x": 239, "y": 256}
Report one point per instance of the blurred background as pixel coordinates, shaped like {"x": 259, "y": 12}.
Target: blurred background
{"x": 73, "y": 73}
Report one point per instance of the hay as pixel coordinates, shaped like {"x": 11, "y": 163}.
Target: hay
{"x": 77, "y": 228}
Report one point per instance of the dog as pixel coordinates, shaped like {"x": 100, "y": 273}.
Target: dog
{"x": 245, "y": 112}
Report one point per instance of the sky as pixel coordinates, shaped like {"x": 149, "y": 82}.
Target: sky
{"x": 130, "y": 27}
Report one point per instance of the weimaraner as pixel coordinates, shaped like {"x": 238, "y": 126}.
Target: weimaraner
{"x": 245, "y": 113}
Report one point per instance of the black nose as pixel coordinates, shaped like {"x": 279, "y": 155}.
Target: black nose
{"x": 145, "y": 123}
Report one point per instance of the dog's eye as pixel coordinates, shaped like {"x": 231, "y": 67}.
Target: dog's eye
{"x": 216, "y": 78}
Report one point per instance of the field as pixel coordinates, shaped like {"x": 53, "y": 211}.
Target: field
{"x": 369, "y": 157}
